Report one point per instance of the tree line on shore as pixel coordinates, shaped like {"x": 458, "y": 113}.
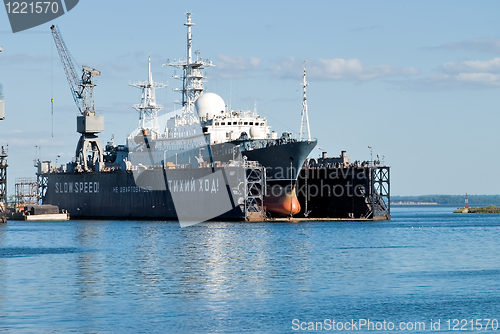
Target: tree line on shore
{"x": 459, "y": 200}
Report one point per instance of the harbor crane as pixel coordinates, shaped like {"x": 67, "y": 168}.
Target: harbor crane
{"x": 89, "y": 152}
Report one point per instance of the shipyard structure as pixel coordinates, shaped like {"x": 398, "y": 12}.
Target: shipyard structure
{"x": 3, "y": 165}
{"x": 326, "y": 188}
{"x": 3, "y": 184}
{"x": 339, "y": 188}
{"x": 206, "y": 162}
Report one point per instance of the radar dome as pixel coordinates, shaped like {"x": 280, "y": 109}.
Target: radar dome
{"x": 209, "y": 104}
{"x": 255, "y": 132}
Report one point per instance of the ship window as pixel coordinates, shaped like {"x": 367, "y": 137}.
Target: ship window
{"x": 251, "y": 123}
{"x": 216, "y": 123}
{"x": 239, "y": 123}
{"x": 261, "y": 124}
{"x": 246, "y": 123}
{"x": 223, "y": 123}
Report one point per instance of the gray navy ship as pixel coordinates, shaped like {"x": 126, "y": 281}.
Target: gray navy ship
{"x": 197, "y": 158}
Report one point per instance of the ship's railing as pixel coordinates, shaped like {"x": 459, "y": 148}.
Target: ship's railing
{"x": 356, "y": 164}
{"x": 215, "y": 164}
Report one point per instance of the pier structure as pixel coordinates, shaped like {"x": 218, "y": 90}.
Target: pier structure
{"x": 3, "y": 184}
{"x": 3, "y": 166}
{"x": 27, "y": 191}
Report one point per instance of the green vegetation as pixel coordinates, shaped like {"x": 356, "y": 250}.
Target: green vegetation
{"x": 488, "y": 209}
{"x": 458, "y": 200}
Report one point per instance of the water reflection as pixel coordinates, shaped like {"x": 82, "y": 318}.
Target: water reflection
{"x": 150, "y": 257}
{"x": 152, "y": 276}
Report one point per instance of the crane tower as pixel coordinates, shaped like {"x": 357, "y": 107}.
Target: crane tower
{"x": 89, "y": 152}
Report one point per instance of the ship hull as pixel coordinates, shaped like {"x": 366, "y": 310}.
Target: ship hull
{"x": 151, "y": 194}
{"x": 281, "y": 201}
{"x": 283, "y": 161}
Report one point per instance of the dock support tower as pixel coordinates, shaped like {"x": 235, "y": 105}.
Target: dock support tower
{"x": 255, "y": 185}
{"x": 379, "y": 198}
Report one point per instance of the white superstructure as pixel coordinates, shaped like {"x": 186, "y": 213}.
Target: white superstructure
{"x": 205, "y": 118}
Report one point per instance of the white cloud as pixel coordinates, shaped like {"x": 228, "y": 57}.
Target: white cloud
{"x": 470, "y": 74}
{"x": 236, "y": 66}
{"x": 476, "y": 72}
{"x": 255, "y": 62}
{"x": 491, "y": 45}
{"x": 472, "y": 66}
{"x": 486, "y": 78}
{"x": 339, "y": 69}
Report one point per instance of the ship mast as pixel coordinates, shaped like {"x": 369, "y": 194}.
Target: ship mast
{"x": 188, "y": 24}
{"x": 304, "y": 125}
{"x": 148, "y": 109}
{"x": 192, "y": 85}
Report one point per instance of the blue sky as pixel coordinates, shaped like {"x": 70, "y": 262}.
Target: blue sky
{"x": 418, "y": 81}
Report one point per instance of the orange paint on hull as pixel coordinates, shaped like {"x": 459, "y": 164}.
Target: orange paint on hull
{"x": 286, "y": 204}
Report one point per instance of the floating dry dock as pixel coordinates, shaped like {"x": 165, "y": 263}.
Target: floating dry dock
{"x": 339, "y": 188}
{"x": 326, "y": 188}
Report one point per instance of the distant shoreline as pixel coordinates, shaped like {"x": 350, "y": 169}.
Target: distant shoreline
{"x": 455, "y": 200}
{"x": 413, "y": 203}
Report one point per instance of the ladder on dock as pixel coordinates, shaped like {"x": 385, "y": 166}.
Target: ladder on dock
{"x": 255, "y": 183}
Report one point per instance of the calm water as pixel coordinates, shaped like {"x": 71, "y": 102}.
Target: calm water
{"x": 138, "y": 277}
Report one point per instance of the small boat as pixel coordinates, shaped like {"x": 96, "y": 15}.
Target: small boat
{"x": 38, "y": 212}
